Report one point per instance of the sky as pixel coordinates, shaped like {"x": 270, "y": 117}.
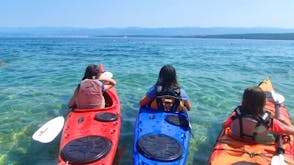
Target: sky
{"x": 147, "y": 13}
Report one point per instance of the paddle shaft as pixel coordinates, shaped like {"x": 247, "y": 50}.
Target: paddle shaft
{"x": 190, "y": 125}
{"x": 280, "y": 149}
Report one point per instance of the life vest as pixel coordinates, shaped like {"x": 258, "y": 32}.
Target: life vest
{"x": 252, "y": 128}
{"x": 90, "y": 95}
{"x": 167, "y": 99}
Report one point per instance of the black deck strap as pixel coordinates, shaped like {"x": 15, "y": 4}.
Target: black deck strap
{"x": 241, "y": 127}
{"x": 106, "y": 117}
{"x": 245, "y": 163}
{"x": 159, "y": 147}
{"x": 86, "y": 149}
{"x": 177, "y": 120}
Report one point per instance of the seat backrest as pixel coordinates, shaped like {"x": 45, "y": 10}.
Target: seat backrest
{"x": 251, "y": 129}
{"x": 90, "y": 95}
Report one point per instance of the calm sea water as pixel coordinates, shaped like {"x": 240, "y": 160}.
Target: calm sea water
{"x": 39, "y": 75}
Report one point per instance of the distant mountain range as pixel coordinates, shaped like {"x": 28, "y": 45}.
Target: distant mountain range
{"x": 189, "y": 32}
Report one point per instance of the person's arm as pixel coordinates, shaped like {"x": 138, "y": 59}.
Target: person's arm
{"x": 279, "y": 127}
{"x": 285, "y": 122}
{"x": 145, "y": 100}
{"x": 150, "y": 95}
{"x": 227, "y": 123}
{"x": 109, "y": 82}
{"x": 186, "y": 100}
{"x": 72, "y": 102}
{"x": 187, "y": 104}
{"x": 289, "y": 129}
{"x": 229, "y": 120}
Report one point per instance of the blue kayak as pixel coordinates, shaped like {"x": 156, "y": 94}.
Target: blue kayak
{"x": 160, "y": 137}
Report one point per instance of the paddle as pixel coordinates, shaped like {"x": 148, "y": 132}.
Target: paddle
{"x": 49, "y": 131}
{"x": 278, "y": 159}
{"x": 190, "y": 125}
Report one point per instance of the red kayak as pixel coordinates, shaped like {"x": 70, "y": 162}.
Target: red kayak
{"x": 91, "y": 136}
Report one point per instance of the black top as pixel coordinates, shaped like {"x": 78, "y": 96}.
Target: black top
{"x": 105, "y": 116}
{"x": 86, "y": 149}
{"x": 159, "y": 147}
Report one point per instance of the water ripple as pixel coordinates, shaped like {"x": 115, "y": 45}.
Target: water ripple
{"x": 40, "y": 75}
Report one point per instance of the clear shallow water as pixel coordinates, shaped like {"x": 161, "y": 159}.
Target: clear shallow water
{"x": 38, "y": 76}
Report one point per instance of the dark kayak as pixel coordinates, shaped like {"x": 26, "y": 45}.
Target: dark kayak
{"x": 160, "y": 137}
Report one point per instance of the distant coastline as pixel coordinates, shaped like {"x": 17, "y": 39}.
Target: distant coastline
{"x": 256, "y": 36}
{"x": 185, "y": 32}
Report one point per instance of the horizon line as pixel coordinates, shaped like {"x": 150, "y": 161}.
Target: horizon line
{"x": 141, "y": 27}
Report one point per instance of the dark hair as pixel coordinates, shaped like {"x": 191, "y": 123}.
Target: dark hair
{"x": 167, "y": 77}
{"x": 253, "y": 101}
{"x": 91, "y": 71}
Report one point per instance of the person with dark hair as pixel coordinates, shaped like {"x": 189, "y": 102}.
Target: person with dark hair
{"x": 253, "y": 100}
{"x": 250, "y": 122}
{"x": 89, "y": 93}
{"x": 166, "y": 93}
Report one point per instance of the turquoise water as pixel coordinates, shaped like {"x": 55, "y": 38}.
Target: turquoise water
{"x": 38, "y": 76}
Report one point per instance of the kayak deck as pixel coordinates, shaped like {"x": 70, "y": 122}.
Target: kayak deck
{"x": 91, "y": 136}
{"x": 160, "y": 137}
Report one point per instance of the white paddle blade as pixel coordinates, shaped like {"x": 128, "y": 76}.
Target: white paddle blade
{"x": 275, "y": 160}
{"x": 49, "y": 130}
{"x": 278, "y": 98}
{"x": 278, "y": 160}
{"x": 282, "y": 160}
{"x": 106, "y": 75}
